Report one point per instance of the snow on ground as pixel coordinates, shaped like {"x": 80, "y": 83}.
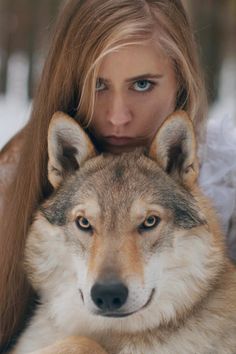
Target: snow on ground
{"x": 14, "y": 107}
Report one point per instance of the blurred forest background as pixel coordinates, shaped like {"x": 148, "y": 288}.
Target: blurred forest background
{"x": 25, "y": 27}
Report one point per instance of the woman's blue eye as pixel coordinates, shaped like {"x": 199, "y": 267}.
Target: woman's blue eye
{"x": 100, "y": 85}
{"x": 142, "y": 85}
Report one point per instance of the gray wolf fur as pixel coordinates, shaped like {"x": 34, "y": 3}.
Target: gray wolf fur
{"x": 127, "y": 255}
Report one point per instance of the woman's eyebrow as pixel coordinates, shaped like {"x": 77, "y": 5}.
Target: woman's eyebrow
{"x": 135, "y": 78}
{"x": 144, "y": 76}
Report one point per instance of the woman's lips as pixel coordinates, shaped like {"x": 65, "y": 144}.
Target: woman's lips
{"x": 118, "y": 141}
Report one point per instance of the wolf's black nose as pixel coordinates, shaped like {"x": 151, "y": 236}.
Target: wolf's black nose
{"x": 109, "y": 296}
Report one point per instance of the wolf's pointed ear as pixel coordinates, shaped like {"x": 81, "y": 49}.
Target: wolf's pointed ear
{"x": 174, "y": 148}
{"x": 68, "y": 147}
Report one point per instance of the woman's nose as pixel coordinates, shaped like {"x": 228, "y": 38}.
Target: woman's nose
{"x": 118, "y": 113}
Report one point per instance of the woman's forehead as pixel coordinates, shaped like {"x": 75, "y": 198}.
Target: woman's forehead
{"x": 130, "y": 61}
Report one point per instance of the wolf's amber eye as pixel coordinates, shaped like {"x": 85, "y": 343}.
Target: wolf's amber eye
{"x": 83, "y": 224}
{"x": 150, "y": 222}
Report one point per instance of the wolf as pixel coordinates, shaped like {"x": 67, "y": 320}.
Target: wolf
{"x": 127, "y": 255}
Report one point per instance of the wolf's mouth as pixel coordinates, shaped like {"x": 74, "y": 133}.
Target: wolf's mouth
{"x": 120, "y": 314}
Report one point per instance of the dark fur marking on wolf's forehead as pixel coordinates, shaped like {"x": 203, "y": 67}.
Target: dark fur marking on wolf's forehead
{"x": 137, "y": 175}
{"x": 164, "y": 190}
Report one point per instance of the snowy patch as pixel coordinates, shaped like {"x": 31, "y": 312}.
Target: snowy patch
{"x": 14, "y": 107}
{"x": 218, "y": 155}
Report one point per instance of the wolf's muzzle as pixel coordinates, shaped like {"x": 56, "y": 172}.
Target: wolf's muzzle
{"x": 109, "y": 296}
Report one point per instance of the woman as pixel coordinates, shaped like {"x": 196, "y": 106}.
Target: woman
{"x": 117, "y": 66}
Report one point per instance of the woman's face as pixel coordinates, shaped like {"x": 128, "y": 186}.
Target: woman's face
{"x": 136, "y": 89}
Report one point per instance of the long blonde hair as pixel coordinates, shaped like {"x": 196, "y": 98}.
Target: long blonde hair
{"x": 85, "y": 31}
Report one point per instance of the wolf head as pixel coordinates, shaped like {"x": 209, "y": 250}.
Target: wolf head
{"x": 125, "y": 241}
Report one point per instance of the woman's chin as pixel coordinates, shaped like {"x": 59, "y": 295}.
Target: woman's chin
{"x": 114, "y": 149}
